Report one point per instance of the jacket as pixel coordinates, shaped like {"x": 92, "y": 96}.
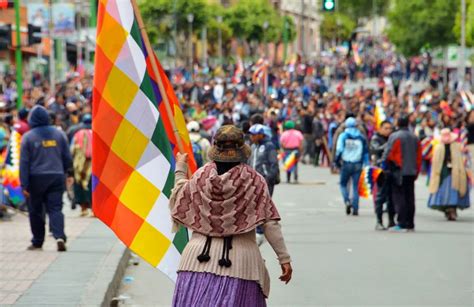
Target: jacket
{"x": 403, "y": 153}
{"x": 44, "y": 149}
{"x": 377, "y": 147}
{"x": 352, "y": 147}
{"x": 264, "y": 159}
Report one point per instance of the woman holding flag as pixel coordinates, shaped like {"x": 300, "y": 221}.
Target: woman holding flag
{"x": 222, "y": 204}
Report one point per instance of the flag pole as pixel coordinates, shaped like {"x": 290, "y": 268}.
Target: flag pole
{"x": 156, "y": 71}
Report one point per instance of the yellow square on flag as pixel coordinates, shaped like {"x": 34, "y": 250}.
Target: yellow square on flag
{"x": 111, "y": 47}
{"x": 139, "y": 195}
{"x": 150, "y": 244}
{"x": 129, "y": 143}
{"x": 119, "y": 91}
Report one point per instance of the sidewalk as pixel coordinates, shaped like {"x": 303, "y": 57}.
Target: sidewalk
{"x": 32, "y": 278}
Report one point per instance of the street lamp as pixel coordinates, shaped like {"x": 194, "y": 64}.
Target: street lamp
{"x": 219, "y": 39}
{"x": 190, "y": 18}
{"x": 265, "y": 27}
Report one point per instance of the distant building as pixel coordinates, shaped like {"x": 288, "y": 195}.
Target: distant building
{"x": 307, "y": 19}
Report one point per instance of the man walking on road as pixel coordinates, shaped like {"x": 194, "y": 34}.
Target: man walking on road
{"x": 384, "y": 191}
{"x": 44, "y": 161}
{"x": 352, "y": 153}
{"x": 403, "y": 157}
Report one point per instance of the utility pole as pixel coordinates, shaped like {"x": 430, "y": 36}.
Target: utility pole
{"x": 204, "y": 46}
{"x": 462, "y": 56}
{"x": 18, "y": 60}
{"x": 285, "y": 40}
{"x": 52, "y": 65}
{"x": 175, "y": 32}
{"x": 78, "y": 32}
{"x": 219, "y": 39}
{"x": 190, "y": 18}
{"x": 302, "y": 34}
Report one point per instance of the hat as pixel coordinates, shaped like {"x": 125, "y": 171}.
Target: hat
{"x": 448, "y": 137}
{"x": 350, "y": 122}
{"x": 193, "y": 126}
{"x": 257, "y": 129}
{"x": 289, "y": 125}
{"x": 229, "y": 145}
{"x": 87, "y": 119}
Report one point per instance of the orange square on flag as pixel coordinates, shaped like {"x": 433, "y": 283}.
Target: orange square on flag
{"x": 115, "y": 174}
{"x": 111, "y": 47}
{"x": 106, "y": 121}
{"x": 126, "y": 224}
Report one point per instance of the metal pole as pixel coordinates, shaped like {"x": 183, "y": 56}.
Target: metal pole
{"x": 285, "y": 40}
{"x": 78, "y": 32}
{"x": 18, "y": 60}
{"x": 204, "y": 46}
{"x": 175, "y": 32}
{"x": 219, "y": 38}
{"x": 374, "y": 27}
{"x": 302, "y": 34}
{"x": 52, "y": 65}
{"x": 190, "y": 48}
{"x": 462, "y": 56}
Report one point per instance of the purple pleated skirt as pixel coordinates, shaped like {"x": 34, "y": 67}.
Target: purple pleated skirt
{"x": 205, "y": 289}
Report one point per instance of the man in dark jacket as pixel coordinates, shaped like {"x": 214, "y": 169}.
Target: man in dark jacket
{"x": 403, "y": 158}
{"x": 264, "y": 158}
{"x": 377, "y": 147}
{"x": 44, "y": 161}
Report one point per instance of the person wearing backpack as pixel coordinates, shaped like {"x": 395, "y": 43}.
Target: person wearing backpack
{"x": 352, "y": 153}
{"x": 81, "y": 150}
{"x": 199, "y": 144}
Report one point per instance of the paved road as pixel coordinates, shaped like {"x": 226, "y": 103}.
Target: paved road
{"x": 341, "y": 261}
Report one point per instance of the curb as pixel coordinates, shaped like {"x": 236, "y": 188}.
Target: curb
{"x": 108, "y": 278}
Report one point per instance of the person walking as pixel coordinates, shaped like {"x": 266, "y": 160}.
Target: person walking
{"x": 403, "y": 159}
{"x": 352, "y": 153}
{"x": 291, "y": 140}
{"x": 448, "y": 181}
{"x": 384, "y": 192}
{"x": 81, "y": 150}
{"x": 264, "y": 159}
{"x": 222, "y": 265}
{"x": 200, "y": 144}
{"x": 44, "y": 160}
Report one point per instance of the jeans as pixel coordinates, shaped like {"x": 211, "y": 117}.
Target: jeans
{"x": 403, "y": 197}
{"x": 46, "y": 196}
{"x": 350, "y": 171}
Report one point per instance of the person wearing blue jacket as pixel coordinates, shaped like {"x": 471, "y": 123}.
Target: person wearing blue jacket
{"x": 45, "y": 160}
{"x": 352, "y": 153}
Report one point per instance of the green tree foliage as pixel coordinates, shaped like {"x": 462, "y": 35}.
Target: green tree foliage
{"x": 337, "y": 26}
{"x": 213, "y": 26}
{"x": 357, "y": 9}
{"x": 247, "y": 19}
{"x": 160, "y": 16}
{"x": 416, "y": 24}
{"x": 469, "y": 24}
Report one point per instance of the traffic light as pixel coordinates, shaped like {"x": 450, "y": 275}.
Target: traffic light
{"x": 5, "y": 36}
{"x": 34, "y": 34}
{"x": 329, "y": 5}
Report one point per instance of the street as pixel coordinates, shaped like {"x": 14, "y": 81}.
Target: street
{"x": 340, "y": 260}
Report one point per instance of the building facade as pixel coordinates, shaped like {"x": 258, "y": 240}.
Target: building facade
{"x": 307, "y": 18}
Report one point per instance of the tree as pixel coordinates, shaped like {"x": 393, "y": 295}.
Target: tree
{"x": 247, "y": 19}
{"x": 357, "y": 9}
{"x": 337, "y": 26}
{"x": 160, "y": 16}
{"x": 416, "y": 24}
{"x": 213, "y": 27}
{"x": 469, "y": 24}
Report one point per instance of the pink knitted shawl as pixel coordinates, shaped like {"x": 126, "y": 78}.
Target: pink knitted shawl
{"x": 232, "y": 203}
